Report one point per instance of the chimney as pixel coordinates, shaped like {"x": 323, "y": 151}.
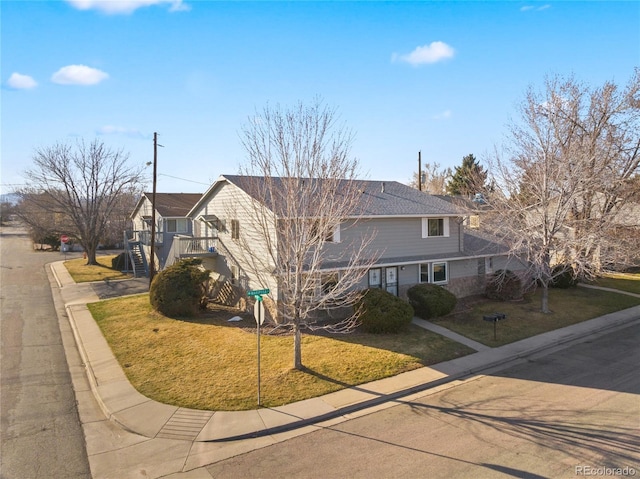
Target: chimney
{"x": 383, "y": 186}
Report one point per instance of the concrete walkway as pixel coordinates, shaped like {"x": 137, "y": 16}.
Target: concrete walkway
{"x": 189, "y": 439}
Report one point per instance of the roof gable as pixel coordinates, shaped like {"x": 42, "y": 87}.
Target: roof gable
{"x": 171, "y": 204}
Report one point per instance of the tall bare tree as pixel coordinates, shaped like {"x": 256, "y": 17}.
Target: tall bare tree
{"x": 83, "y": 185}
{"x": 306, "y": 193}
{"x": 434, "y": 179}
{"x": 565, "y": 176}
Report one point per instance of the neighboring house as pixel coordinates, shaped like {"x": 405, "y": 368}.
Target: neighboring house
{"x": 418, "y": 239}
{"x": 174, "y": 229}
{"x": 471, "y": 209}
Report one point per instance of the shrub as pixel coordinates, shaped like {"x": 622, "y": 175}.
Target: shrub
{"x": 564, "y": 276}
{"x": 504, "y": 285}
{"x": 180, "y": 289}
{"x": 431, "y": 300}
{"x": 382, "y": 312}
{"x": 118, "y": 262}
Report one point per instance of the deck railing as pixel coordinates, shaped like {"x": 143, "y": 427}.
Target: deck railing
{"x": 185, "y": 246}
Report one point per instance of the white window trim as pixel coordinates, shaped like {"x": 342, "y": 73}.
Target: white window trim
{"x": 488, "y": 265}
{"x": 445, "y": 227}
{"x": 429, "y": 266}
{"x": 446, "y": 272}
{"x": 235, "y": 229}
{"x": 336, "y": 234}
{"x": 179, "y": 221}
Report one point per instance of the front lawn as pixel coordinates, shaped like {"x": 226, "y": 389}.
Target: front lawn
{"x": 629, "y": 282}
{"x": 524, "y": 319}
{"x": 209, "y": 363}
{"x": 81, "y": 272}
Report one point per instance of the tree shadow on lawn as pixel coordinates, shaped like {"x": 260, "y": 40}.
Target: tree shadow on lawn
{"x": 427, "y": 347}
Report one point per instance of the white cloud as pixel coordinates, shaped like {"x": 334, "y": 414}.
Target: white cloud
{"x": 125, "y": 7}
{"x": 445, "y": 115}
{"x": 21, "y": 82}
{"x": 432, "y": 53}
{"x": 528, "y": 8}
{"x": 78, "y": 75}
{"x": 120, "y": 130}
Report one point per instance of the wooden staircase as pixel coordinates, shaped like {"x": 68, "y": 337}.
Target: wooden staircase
{"x": 135, "y": 254}
{"x": 138, "y": 260}
{"x": 225, "y": 293}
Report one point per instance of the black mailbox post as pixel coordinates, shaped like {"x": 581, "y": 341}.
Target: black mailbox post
{"x": 495, "y": 317}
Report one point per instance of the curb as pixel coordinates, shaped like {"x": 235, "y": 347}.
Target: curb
{"x": 486, "y": 360}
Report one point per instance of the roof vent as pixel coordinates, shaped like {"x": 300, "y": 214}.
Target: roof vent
{"x": 383, "y": 186}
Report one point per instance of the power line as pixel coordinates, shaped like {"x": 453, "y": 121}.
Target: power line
{"x": 184, "y": 179}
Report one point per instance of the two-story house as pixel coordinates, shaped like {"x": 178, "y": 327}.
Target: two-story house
{"x": 174, "y": 230}
{"x": 416, "y": 237}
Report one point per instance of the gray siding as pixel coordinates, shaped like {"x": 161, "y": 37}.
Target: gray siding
{"x": 398, "y": 237}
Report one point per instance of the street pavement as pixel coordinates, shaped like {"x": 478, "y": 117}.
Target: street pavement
{"x": 131, "y": 436}
{"x": 41, "y": 434}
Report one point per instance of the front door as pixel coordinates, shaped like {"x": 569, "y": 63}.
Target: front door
{"x": 391, "y": 280}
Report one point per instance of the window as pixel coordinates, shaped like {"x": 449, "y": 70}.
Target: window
{"x": 488, "y": 265}
{"x": 439, "y": 272}
{"x": 424, "y": 273}
{"x": 433, "y": 273}
{"x": 329, "y": 282}
{"x": 235, "y": 229}
{"x": 334, "y": 236}
{"x": 178, "y": 225}
{"x": 375, "y": 278}
{"x": 435, "y": 227}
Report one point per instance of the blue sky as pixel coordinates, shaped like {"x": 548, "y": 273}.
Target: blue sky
{"x": 441, "y": 77}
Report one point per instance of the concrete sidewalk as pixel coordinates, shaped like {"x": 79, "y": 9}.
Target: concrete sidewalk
{"x": 196, "y": 438}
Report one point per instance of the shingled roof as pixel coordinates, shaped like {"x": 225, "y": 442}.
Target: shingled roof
{"x": 380, "y": 198}
{"x": 174, "y": 204}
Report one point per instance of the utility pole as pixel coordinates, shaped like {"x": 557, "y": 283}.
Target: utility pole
{"x": 420, "y": 170}
{"x": 152, "y": 259}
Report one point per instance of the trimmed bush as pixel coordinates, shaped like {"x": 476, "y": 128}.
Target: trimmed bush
{"x": 504, "y": 285}
{"x": 382, "y": 312}
{"x": 118, "y": 262}
{"x": 180, "y": 290}
{"x": 564, "y": 277}
{"x": 431, "y": 300}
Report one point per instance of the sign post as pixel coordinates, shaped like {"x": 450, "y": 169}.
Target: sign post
{"x": 258, "y": 313}
{"x": 64, "y": 239}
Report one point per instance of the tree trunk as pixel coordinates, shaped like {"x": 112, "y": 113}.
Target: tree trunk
{"x": 297, "y": 347}
{"x": 91, "y": 255}
{"x": 545, "y": 298}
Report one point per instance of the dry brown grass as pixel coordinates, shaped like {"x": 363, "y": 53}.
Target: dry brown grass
{"x": 81, "y": 272}
{"x": 209, "y": 363}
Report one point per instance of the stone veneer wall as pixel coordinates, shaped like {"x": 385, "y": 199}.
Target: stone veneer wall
{"x": 469, "y": 286}
{"x": 461, "y": 287}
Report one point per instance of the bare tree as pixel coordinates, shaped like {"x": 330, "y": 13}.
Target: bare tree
{"x": 565, "y": 177}
{"x": 82, "y": 186}
{"x": 119, "y": 219}
{"x": 45, "y": 227}
{"x": 305, "y": 194}
{"x": 434, "y": 179}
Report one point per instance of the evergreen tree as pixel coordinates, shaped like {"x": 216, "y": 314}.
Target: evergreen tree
{"x": 468, "y": 179}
